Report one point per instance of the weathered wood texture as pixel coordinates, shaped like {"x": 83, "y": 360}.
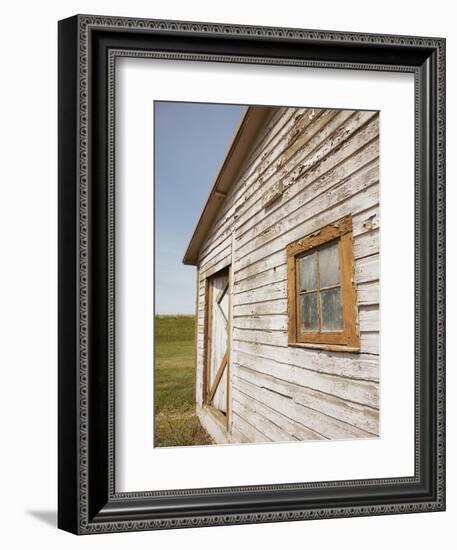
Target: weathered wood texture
{"x": 308, "y": 168}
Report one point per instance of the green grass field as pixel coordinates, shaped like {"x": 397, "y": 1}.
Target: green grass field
{"x": 176, "y": 423}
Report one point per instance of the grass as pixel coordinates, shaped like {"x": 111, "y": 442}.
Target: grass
{"x": 176, "y": 423}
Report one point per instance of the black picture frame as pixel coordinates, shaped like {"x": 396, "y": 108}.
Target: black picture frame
{"x": 87, "y": 499}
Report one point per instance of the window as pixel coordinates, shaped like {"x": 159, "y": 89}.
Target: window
{"x": 322, "y": 301}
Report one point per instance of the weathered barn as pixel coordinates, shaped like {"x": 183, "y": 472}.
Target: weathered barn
{"x": 287, "y": 256}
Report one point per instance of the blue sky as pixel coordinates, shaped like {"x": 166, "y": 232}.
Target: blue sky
{"x": 191, "y": 140}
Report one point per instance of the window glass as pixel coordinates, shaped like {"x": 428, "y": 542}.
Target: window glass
{"x": 331, "y": 310}
{"x": 308, "y": 272}
{"x": 308, "y": 309}
{"x": 329, "y": 265}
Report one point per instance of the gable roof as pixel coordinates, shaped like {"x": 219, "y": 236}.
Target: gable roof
{"x": 251, "y": 122}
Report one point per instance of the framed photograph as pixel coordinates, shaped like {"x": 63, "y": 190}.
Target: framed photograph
{"x": 251, "y": 274}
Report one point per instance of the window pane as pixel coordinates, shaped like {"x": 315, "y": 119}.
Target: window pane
{"x": 331, "y": 310}
{"x": 308, "y": 312}
{"x": 308, "y": 272}
{"x": 329, "y": 265}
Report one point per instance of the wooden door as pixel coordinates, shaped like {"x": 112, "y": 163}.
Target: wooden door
{"x": 218, "y": 341}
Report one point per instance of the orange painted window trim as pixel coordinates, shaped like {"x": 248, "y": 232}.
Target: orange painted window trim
{"x": 349, "y": 336}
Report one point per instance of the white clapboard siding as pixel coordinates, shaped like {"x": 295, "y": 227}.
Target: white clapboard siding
{"x": 255, "y": 279}
{"x": 335, "y": 168}
{"x": 266, "y": 307}
{"x": 364, "y": 392}
{"x": 341, "y": 364}
{"x": 240, "y": 199}
{"x": 369, "y": 341}
{"x": 244, "y": 185}
{"x": 325, "y": 164}
{"x": 326, "y": 426}
{"x": 273, "y": 291}
{"x": 330, "y": 170}
{"x": 368, "y": 293}
{"x": 247, "y": 409}
{"x": 360, "y": 416}
{"x": 305, "y": 187}
{"x": 365, "y": 244}
{"x": 248, "y": 430}
{"x": 261, "y": 322}
{"x": 369, "y": 318}
{"x": 367, "y": 269}
{"x": 339, "y": 201}
{"x": 249, "y": 397}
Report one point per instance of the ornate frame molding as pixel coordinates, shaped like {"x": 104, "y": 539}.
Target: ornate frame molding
{"x": 108, "y": 511}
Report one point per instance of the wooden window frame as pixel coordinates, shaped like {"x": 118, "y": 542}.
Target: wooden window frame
{"x": 349, "y": 338}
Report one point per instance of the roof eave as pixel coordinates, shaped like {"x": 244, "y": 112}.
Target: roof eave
{"x": 250, "y": 124}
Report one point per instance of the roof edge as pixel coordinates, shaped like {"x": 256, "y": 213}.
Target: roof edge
{"x": 248, "y": 128}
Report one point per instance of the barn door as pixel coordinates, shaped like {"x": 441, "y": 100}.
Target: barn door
{"x": 218, "y": 350}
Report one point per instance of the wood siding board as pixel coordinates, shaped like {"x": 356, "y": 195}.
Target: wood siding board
{"x": 260, "y": 179}
{"x": 359, "y": 417}
{"x": 251, "y": 432}
{"x": 247, "y": 410}
{"x": 246, "y": 205}
{"x": 246, "y": 178}
{"x": 363, "y": 392}
{"x": 301, "y": 190}
{"x": 352, "y": 156}
{"x": 341, "y": 364}
{"x": 369, "y": 341}
{"x": 247, "y": 393}
{"x": 367, "y": 293}
{"x": 281, "y": 397}
{"x": 345, "y": 198}
{"x": 275, "y": 261}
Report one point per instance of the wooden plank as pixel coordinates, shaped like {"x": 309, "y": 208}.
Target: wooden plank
{"x": 366, "y": 244}
{"x": 198, "y": 382}
{"x": 215, "y": 254}
{"x": 261, "y": 322}
{"x": 367, "y": 293}
{"x": 358, "y": 416}
{"x": 251, "y": 433}
{"x": 366, "y": 221}
{"x": 348, "y": 197}
{"x": 249, "y": 197}
{"x": 363, "y": 392}
{"x": 249, "y": 398}
{"x": 327, "y": 233}
{"x": 338, "y": 167}
{"x": 348, "y": 365}
{"x": 349, "y": 290}
{"x": 369, "y": 318}
{"x": 329, "y": 427}
{"x": 276, "y": 338}
{"x": 362, "y": 247}
{"x": 314, "y": 137}
{"x": 207, "y": 265}
{"x": 273, "y": 291}
{"x": 249, "y": 174}
{"x": 251, "y": 414}
{"x": 207, "y": 340}
{"x": 256, "y": 280}
{"x": 367, "y": 269}
{"x": 369, "y": 342}
{"x": 217, "y": 378}
{"x": 264, "y": 307}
